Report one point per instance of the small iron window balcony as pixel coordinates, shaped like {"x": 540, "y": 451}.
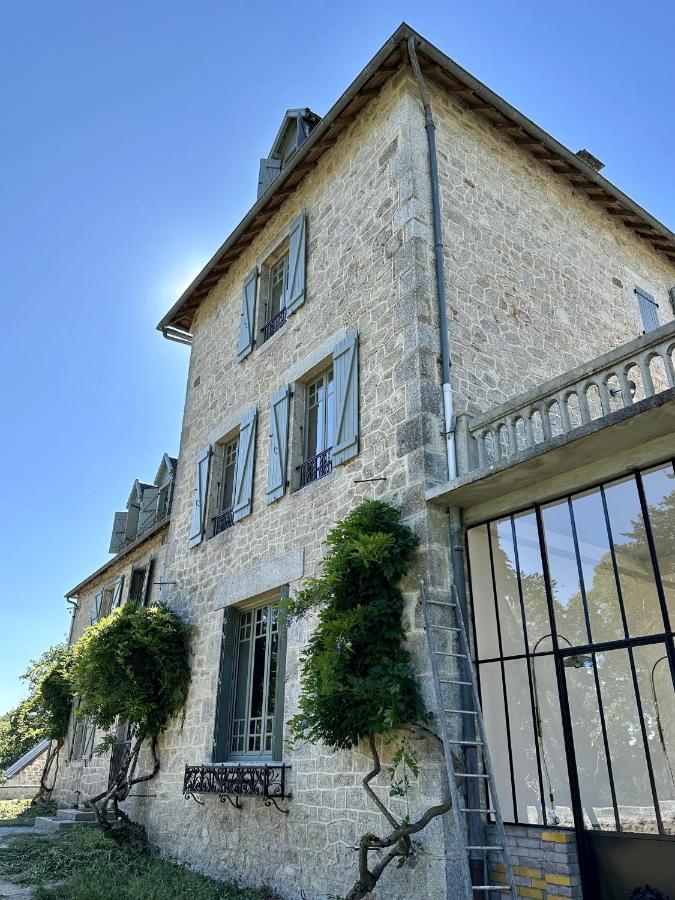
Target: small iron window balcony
{"x": 316, "y": 467}
{"x": 223, "y": 520}
{"x": 274, "y": 324}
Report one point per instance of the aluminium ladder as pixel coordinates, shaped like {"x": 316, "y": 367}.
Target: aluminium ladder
{"x": 450, "y": 642}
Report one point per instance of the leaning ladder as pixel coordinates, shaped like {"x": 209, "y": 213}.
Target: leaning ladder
{"x": 486, "y": 803}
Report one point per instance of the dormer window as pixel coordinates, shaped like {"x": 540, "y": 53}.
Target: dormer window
{"x": 295, "y": 128}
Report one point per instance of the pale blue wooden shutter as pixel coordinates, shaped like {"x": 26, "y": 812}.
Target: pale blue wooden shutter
{"x": 147, "y": 515}
{"x": 278, "y": 452}
{"x": 118, "y": 532}
{"x": 243, "y": 473}
{"x": 247, "y": 323}
{"x": 295, "y": 295}
{"x": 198, "y": 524}
{"x": 269, "y": 170}
{"x": 226, "y": 674}
{"x": 346, "y": 386}
{"x": 648, "y": 310}
{"x": 96, "y": 609}
{"x": 117, "y": 592}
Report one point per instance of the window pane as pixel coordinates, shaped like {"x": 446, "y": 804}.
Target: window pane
{"x": 659, "y": 487}
{"x": 602, "y": 597}
{"x": 658, "y": 701}
{"x": 277, "y": 287}
{"x": 592, "y": 772}
{"x": 313, "y": 413}
{"x": 492, "y": 700}
{"x": 482, "y": 593}
{"x": 567, "y": 600}
{"x": 229, "y": 466}
{"x": 523, "y": 748}
{"x": 506, "y": 582}
{"x": 636, "y": 572}
{"x": 626, "y": 747}
{"x": 532, "y": 583}
{"x": 551, "y": 743}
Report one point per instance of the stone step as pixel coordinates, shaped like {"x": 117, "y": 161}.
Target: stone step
{"x": 76, "y": 815}
{"x": 52, "y": 825}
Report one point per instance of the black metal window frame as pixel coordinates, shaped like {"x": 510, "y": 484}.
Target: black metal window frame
{"x": 559, "y": 653}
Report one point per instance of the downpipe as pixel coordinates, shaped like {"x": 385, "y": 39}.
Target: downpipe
{"x": 448, "y": 410}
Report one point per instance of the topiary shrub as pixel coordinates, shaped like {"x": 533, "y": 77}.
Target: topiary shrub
{"x": 357, "y": 677}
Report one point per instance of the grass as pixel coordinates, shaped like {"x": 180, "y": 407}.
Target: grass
{"x": 23, "y": 812}
{"x": 83, "y": 864}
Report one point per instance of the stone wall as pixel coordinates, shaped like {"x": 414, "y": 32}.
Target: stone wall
{"x": 539, "y": 277}
{"x": 366, "y": 270}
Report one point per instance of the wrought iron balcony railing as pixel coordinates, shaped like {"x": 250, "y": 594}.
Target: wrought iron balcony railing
{"x": 316, "y": 467}
{"x": 274, "y": 324}
{"x": 266, "y": 780}
{"x": 617, "y": 380}
{"x": 223, "y": 520}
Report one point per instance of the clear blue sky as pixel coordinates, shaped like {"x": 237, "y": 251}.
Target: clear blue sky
{"x": 131, "y": 134}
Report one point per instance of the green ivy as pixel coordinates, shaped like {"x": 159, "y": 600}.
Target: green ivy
{"x": 55, "y": 693}
{"x": 135, "y": 665}
{"x": 357, "y": 677}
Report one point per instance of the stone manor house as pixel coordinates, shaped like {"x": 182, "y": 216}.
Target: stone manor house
{"x": 503, "y": 372}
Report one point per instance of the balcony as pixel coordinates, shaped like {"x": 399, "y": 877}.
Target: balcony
{"x": 317, "y": 467}
{"x": 608, "y": 415}
{"x": 223, "y": 520}
{"x": 230, "y": 782}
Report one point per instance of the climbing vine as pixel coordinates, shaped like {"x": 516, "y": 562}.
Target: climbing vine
{"x": 357, "y": 679}
{"x": 131, "y": 667}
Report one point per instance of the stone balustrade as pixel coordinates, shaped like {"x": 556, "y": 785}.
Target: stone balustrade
{"x": 632, "y": 372}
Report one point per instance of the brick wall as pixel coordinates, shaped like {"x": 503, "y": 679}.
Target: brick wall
{"x": 545, "y": 862}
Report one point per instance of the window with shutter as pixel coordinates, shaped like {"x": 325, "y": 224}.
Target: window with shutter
{"x": 278, "y": 446}
{"x": 119, "y": 531}
{"x": 649, "y": 310}
{"x": 296, "y": 264}
{"x": 247, "y": 322}
{"x": 199, "y": 498}
{"x": 346, "y": 381}
{"x": 243, "y": 474}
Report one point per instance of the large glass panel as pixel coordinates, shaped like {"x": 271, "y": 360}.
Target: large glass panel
{"x": 602, "y": 598}
{"x": 521, "y": 725}
{"x": 492, "y": 700}
{"x": 532, "y": 583}
{"x": 564, "y": 572}
{"x": 633, "y": 560}
{"x": 659, "y": 487}
{"x": 548, "y": 725}
{"x": 482, "y": 593}
{"x": 626, "y": 747}
{"x": 589, "y": 748}
{"x": 658, "y": 702}
{"x": 506, "y": 583}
